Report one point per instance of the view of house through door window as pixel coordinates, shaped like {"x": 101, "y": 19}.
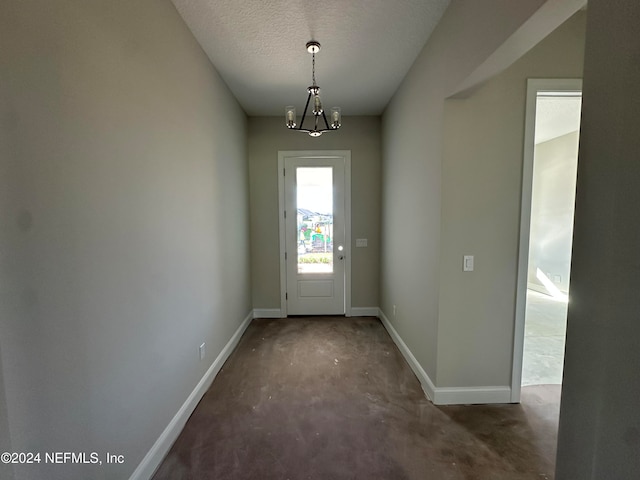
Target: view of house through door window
{"x": 314, "y": 200}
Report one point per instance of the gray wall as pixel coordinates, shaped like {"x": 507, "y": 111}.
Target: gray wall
{"x": 268, "y": 135}
{"x": 452, "y": 170}
{"x": 481, "y": 194}
{"x": 552, "y": 202}
{"x": 122, "y": 150}
{"x": 6, "y": 469}
{"x": 599, "y": 435}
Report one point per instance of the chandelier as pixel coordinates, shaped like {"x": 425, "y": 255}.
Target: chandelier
{"x": 314, "y": 93}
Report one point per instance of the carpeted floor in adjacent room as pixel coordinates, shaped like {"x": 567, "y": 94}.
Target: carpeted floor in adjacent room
{"x": 332, "y": 398}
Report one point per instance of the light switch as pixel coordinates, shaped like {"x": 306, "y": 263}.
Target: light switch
{"x": 467, "y": 263}
{"x": 361, "y": 242}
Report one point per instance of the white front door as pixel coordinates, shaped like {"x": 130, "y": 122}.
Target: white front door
{"x": 315, "y": 234}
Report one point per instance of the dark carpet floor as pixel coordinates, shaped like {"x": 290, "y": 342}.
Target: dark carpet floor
{"x": 331, "y": 398}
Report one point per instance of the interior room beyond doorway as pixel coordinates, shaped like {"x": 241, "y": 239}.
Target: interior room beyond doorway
{"x": 557, "y": 125}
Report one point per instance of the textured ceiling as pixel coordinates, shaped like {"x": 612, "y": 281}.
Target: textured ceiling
{"x": 258, "y": 46}
{"x": 557, "y": 116}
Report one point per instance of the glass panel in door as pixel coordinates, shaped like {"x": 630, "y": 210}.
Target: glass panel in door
{"x": 314, "y": 201}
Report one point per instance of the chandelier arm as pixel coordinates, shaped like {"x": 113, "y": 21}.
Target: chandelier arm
{"x": 326, "y": 123}
{"x": 307, "y": 130}
{"x": 304, "y": 114}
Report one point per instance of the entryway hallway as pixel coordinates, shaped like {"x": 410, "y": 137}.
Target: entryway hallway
{"x": 332, "y": 398}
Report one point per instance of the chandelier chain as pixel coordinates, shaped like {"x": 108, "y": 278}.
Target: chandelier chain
{"x": 313, "y": 68}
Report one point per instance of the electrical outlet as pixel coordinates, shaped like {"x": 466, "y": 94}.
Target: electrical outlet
{"x": 202, "y": 351}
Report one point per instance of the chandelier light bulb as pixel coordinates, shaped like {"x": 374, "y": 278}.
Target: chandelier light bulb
{"x": 317, "y": 105}
{"x": 290, "y": 116}
{"x": 336, "y": 117}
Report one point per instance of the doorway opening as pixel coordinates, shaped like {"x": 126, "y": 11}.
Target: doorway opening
{"x": 548, "y": 197}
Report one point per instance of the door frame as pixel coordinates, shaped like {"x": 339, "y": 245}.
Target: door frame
{"x": 310, "y": 154}
{"x": 534, "y": 86}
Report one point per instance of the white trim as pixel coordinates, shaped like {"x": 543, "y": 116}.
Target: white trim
{"x": 471, "y": 395}
{"x": 427, "y": 385}
{"x": 446, "y": 395}
{"x": 282, "y": 235}
{"x": 365, "y": 311}
{"x": 534, "y": 85}
{"x": 268, "y": 313}
{"x": 346, "y": 155}
{"x": 160, "y": 448}
{"x": 537, "y": 288}
{"x": 347, "y": 233}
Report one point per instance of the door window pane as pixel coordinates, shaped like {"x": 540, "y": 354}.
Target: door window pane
{"x": 314, "y": 200}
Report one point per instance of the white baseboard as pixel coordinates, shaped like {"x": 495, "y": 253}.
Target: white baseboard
{"x": 471, "y": 395}
{"x": 365, "y": 311}
{"x": 158, "y": 451}
{"x": 446, "y": 395}
{"x": 277, "y": 313}
{"x": 537, "y": 288}
{"x": 267, "y": 313}
{"x": 427, "y": 385}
